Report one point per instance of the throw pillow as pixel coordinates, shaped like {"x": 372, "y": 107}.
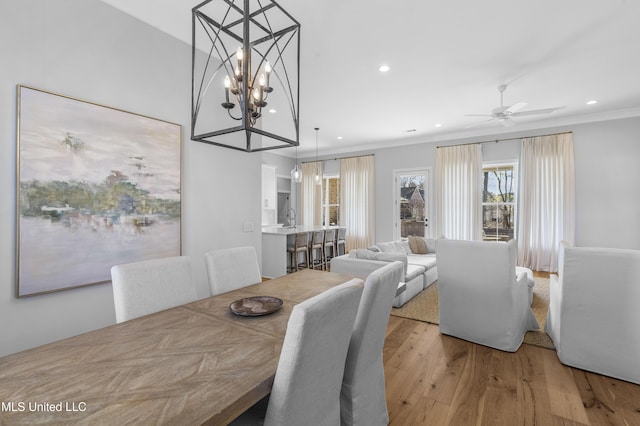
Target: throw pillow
{"x": 418, "y": 245}
{"x": 387, "y": 247}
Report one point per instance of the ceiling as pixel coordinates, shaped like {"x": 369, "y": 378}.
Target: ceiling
{"x": 446, "y": 59}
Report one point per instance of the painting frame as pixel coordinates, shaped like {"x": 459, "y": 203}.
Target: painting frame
{"x": 96, "y": 186}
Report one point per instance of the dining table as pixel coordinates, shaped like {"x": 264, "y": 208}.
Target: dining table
{"x": 197, "y": 363}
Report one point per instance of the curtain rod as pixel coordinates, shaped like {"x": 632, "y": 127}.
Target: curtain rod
{"x": 341, "y": 158}
{"x": 504, "y": 139}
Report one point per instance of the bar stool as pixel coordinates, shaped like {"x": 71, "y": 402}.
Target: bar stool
{"x": 329, "y": 243}
{"x": 341, "y": 241}
{"x": 298, "y": 244}
{"x": 316, "y": 248}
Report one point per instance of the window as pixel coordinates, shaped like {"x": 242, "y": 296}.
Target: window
{"x": 331, "y": 200}
{"x": 499, "y": 202}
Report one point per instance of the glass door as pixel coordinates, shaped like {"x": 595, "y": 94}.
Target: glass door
{"x": 411, "y": 205}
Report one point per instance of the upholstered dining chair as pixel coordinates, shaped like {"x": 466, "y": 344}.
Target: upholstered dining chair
{"x": 306, "y": 387}
{"x": 232, "y": 268}
{"x": 482, "y": 296}
{"x": 363, "y": 399}
{"x": 149, "y": 286}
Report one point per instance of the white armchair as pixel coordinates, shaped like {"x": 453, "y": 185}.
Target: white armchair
{"x": 482, "y": 296}
{"x": 593, "y": 316}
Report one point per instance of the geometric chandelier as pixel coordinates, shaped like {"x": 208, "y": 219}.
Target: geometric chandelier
{"x": 245, "y": 75}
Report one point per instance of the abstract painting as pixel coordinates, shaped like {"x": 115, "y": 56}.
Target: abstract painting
{"x": 97, "y": 186}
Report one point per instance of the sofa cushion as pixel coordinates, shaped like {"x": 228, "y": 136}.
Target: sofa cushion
{"x": 427, "y": 261}
{"x": 418, "y": 245}
{"x": 413, "y": 271}
{"x": 384, "y": 257}
{"x": 395, "y": 247}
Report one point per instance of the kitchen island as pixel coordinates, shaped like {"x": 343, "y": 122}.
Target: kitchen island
{"x": 274, "y": 247}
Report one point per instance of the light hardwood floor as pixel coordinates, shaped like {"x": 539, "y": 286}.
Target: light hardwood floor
{"x": 434, "y": 379}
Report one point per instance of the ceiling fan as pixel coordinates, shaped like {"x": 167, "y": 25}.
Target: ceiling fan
{"x": 504, "y": 113}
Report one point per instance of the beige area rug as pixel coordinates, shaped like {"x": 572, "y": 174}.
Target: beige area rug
{"x": 424, "y": 307}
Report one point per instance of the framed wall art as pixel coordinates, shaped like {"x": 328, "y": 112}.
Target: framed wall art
{"x": 97, "y": 186}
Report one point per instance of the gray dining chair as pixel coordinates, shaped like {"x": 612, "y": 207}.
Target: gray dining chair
{"x": 232, "y": 268}
{"x": 149, "y": 286}
{"x": 306, "y": 387}
{"x": 363, "y": 399}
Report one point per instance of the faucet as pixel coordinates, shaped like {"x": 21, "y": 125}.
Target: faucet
{"x": 289, "y": 215}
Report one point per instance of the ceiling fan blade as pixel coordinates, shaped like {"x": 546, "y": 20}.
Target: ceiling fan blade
{"x": 507, "y": 122}
{"x": 536, "y": 111}
{"x": 478, "y": 115}
{"x": 479, "y": 123}
{"x": 515, "y": 107}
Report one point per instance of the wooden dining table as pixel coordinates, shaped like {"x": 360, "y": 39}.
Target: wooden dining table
{"x": 194, "y": 364}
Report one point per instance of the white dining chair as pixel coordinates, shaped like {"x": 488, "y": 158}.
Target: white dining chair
{"x": 232, "y": 268}
{"x": 363, "y": 399}
{"x": 306, "y": 388}
{"x": 149, "y": 286}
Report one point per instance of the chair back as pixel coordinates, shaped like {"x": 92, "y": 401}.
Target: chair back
{"x": 306, "y": 387}
{"x": 233, "y": 268}
{"x": 363, "y": 399}
{"x": 593, "y": 314}
{"x": 329, "y": 236}
{"x": 142, "y": 288}
{"x": 479, "y": 298}
{"x": 302, "y": 240}
{"x": 342, "y": 234}
{"x": 318, "y": 239}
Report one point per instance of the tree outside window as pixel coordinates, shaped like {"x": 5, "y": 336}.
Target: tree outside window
{"x": 498, "y": 202}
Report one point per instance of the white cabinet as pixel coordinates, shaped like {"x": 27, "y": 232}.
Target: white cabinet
{"x": 269, "y": 195}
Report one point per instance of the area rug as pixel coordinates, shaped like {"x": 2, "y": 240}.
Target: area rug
{"x": 424, "y": 307}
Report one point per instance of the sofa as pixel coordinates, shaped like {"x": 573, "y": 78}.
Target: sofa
{"x": 593, "y": 315}
{"x": 417, "y": 254}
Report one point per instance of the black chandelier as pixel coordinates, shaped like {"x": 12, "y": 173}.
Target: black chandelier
{"x": 245, "y": 75}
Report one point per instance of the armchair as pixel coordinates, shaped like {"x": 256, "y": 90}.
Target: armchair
{"x": 482, "y": 296}
{"x": 593, "y": 316}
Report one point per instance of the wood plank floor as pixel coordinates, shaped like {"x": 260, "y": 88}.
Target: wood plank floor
{"x": 434, "y": 379}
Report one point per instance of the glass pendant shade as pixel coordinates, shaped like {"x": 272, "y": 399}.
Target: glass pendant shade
{"x": 296, "y": 174}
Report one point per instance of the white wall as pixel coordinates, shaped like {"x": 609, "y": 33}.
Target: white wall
{"x": 90, "y": 51}
{"x": 607, "y": 155}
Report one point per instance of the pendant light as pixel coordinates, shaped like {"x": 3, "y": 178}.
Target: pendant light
{"x": 318, "y": 178}
{"x": 296, "y": 173}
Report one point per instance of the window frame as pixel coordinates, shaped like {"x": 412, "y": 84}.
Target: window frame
{"x": 325, "y": 196}
{"x": 516, "y": 189}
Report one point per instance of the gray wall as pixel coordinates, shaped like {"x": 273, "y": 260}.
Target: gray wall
{"x": 90, "y": 51}
{"x": 607, "y": 154}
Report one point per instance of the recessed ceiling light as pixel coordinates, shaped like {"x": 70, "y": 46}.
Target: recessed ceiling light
{"x": 592, "y": 102}
{"x": 272, "y": 111}
{"x": 438, "y": 125}
{"x": 384, "y": 68}
{"x": 339, "y": 137}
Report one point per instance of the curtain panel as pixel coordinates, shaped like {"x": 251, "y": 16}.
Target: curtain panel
{"x": 311, "y": 195}
{"x": 547, "y": 200}
{"x": 459, "y": 192}
{"x": 357, "y": 201}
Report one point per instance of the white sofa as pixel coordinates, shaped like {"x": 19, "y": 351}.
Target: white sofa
{"x": 593, "y": 315}
{"x": 420, "y": 270}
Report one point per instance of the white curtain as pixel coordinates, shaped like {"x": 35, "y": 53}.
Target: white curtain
{"x": 311, "y": 196}
{"x": 357, "y": 201}
{"x": 547, "y": 200}
{"x": 459, "y": 192}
